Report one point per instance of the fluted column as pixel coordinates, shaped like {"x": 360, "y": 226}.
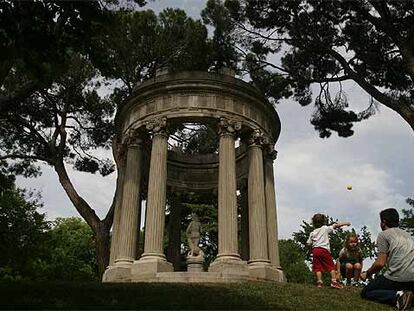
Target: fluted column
{"x": 129, "y": 211}
{"x": 272, "y": 236}
{"x": 227, "y": 196}
{"x": 120, "y": 156}
{"x": 174, "y": 232}
{"x": 257, "y": 207}
{"x": 244, "y": 221}
{"x": 157, "y": 185}
{"x": 228, "y": 259}
{"x": 139, "y": 243}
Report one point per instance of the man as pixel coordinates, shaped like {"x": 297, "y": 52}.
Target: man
{"x": 396, "y": 250}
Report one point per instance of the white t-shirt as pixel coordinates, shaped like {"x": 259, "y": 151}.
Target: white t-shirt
{"x": 320, "y": 238}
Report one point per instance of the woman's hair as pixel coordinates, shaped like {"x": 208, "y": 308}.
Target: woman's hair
{"x": 318, "y": 220}
{"x": 390, "y": 217}
{"x": 350, "y": 236}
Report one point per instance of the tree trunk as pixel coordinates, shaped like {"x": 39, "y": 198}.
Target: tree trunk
{"x": 102, "y": 248}
{"x": 100, "y": 228}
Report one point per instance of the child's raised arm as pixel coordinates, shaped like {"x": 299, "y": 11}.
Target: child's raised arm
{"x": 341, "y": 224}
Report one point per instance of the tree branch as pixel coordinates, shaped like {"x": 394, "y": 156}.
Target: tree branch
{"x": 6, "y": 102}
{"x": 25, "y": 156}
{"x": 79, "y": 203}
{"x": 404, "y": 111}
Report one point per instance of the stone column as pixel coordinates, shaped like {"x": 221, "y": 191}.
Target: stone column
{"x": 128, "y": 223}
{"x": 257, "y": 210}
{"x": 153, "y": 259}
{"x": 120, "y": 156}
{"x": 174, "y": 232}
{"x": 272, "y": 237}
{"x": 129, "y": 212}
{"x": 259, "y": 263}
{"x": 244, "y": 221}
{"x": 228, "y": 258}
{"x": 271, "y": 214}
{"x": 139, "y": 248}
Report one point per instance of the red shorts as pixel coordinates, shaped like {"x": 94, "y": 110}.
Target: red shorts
{"x": 322, "y": 260}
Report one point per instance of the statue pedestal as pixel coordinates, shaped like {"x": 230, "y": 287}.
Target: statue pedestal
{"x": 195, "y": 263}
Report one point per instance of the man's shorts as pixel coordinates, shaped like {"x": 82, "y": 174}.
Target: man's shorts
{"x": 322, "y": 260}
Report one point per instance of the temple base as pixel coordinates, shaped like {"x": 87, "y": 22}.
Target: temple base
{"x": 229, "y": 266}
{"x": 117, "y": 274}
{"x": 266, "y": 272}
{"x": 148, "y": 268}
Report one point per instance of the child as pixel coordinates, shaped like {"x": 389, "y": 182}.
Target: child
{"x": 350, "y": 260}
{"x": 319, "y": 243}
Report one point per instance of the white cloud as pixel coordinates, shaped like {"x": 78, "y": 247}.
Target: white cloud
{"x": 95, "y": 189}
{"x": 312, "y": 173}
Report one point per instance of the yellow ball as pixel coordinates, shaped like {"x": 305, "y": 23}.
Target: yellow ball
{"x": 349, "y": 187}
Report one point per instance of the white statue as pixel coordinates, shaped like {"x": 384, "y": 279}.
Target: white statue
{"x": 193, "y": 235}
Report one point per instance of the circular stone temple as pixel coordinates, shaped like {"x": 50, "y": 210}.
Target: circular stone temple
{"x": 248, "y": 127}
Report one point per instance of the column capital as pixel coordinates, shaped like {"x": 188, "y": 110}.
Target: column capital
{"x": 119, "y": 151}
{"x": 228, "y": 126}
{"x": 271, "y": 153}
{"x": 133, "y": 138}
{"x": 258, "y": 138}
{"x": 158, "y": 126}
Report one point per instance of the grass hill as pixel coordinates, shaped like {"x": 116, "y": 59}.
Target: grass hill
{"x": 243, "y": 296}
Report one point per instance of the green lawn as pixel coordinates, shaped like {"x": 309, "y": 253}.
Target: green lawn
{"x": 23, "y": 295}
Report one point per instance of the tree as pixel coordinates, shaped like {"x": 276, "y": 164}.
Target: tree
{"x": 224, "y": 53}
{"x": 135, "y": 44}
{"x": 59, "y": 125}
{"x": 336, "y": 240}
{"x": 36, "y": 37}
{"x": 322, "y": 43}
{"x": 71, "y": 251}
{"x": 22, "y": 232}
{"x": 43, "y": 79}
{"x": 407, "y": 221}
{"x": 293, "y": 261}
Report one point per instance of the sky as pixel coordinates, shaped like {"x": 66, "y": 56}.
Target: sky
{"x": 311, "y": 174}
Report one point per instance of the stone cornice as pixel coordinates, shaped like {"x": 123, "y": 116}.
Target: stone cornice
{"x": 199, "y": 83}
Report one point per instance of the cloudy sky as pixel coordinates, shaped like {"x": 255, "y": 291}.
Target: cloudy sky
{"x": 312, "y": 174}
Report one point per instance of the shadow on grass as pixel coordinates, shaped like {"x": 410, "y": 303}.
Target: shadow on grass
{"x": 46, "y": 295}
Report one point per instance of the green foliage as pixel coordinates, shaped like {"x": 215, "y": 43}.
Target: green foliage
{"x": 135, "y": 43}
{"x": 36, "y": 36}
{"x": 196, "y": 138}
{"x": 304, "y": 45}
{"x": 293, "y": 261}
{"x": 407, "y": 221}
{"x": 71, "y": 251}
{"x": 336, "y": 239}
{"x": 222, "y": 45}
{"x": 22, "y": 232}
{"x": 33, "y": 248}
